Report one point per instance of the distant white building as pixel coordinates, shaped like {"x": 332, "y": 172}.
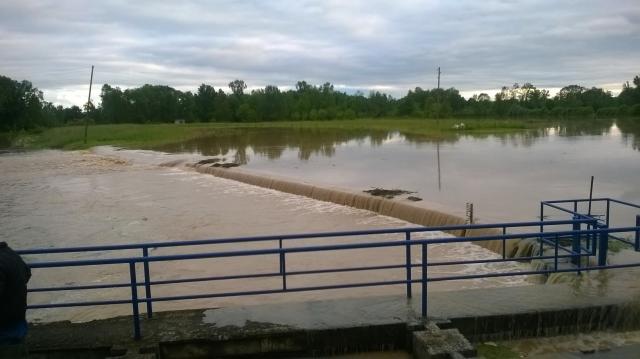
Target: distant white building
{"x": 179, "y": 121}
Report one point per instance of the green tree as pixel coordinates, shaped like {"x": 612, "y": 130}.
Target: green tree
{"x": 237, "y": 87}
{"x": 20, "y": 105}
{"x": 204, "y": 102}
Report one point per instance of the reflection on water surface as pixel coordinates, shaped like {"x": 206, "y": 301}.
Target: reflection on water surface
{"x": 505, "y": 175}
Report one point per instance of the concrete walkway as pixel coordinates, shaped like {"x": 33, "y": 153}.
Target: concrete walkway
{"x": 363, "y": 323}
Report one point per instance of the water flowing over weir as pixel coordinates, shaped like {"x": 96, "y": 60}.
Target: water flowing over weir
{"x": 418, "y": 215}
{"x": 409, "y": 213}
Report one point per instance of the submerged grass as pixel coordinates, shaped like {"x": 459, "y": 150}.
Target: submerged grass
{"x": 495, "y": 351}
{"x": 150, "y": 135}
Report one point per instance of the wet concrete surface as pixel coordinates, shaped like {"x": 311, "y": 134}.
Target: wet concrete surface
{"x": 559, "y": 311}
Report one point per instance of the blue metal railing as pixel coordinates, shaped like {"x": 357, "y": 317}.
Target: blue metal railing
{"x": 599, "y": 221}
{"x": 498, "y": 232}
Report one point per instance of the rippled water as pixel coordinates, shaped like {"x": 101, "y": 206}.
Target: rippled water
{"x": 504, "y": 175}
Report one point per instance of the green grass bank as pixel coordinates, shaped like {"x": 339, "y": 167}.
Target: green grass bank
{"x": 150, "y": 135}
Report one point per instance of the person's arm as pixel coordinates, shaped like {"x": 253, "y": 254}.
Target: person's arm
{"x": 27, "y": 273}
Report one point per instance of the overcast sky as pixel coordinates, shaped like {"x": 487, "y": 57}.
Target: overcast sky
{"x": 390, "y": 46}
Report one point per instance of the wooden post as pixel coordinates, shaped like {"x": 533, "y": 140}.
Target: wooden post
{"x": 86, "y": 118}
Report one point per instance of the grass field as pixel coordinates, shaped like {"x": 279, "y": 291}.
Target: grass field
{"x": 149, "y": 135}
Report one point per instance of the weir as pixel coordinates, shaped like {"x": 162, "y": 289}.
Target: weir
{"x": 576, "y": 244}
{"x": 383, "y": 206}
{"x": 407, "y": 212}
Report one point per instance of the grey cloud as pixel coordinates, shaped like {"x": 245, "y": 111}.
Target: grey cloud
{"x": 393, "y": 46}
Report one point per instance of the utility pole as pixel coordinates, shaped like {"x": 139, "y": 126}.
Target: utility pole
{"x": 86, "y": 118}
{"x": 438, "y": 140}
{"x": 438, "y": 156}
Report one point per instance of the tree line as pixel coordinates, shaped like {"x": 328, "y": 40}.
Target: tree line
{"x": 22, "y": 105}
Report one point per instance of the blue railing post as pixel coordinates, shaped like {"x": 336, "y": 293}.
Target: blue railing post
{"x": 147, "y": 282}
{"x": 588, "y": 239}
{"x": 594, "y": 238}
{"x": 575, "y": 242}
{"x": 603, "y": 247}
{"x": 638, "y": 233}
{"x": 541, "y": 217}
{"x": 407, "y": 237}
{"x": 608, "y": 209}
{"x": 283, "y": 270}
{"x": 134, "y": 300}
{"x": 423, "y": 280}
{"x": 541, "y": 227}
{"x": 555, "y": 256}
{"x": 504, "y": 243}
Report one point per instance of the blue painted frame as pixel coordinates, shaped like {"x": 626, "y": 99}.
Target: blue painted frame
{"x": 595, "y": 229}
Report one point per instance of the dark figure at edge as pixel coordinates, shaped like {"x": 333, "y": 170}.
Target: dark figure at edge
{"x": 14, "y": 275}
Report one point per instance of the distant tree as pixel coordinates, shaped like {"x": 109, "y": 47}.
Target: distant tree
{"x": 246, "y": 113}
{"x": 204, "y": 102}
{"x": 483, "y": 97}
{"x": 222, "y": 108}
{"x": 596, "y": 98}
{"x": 116, "y": 108}
{"x": 237, "y": 87}
{"x": 303, "y": 86}
{"x": 630, "y": 96}
{"x": 21, "y": 105}
{"x": 570, "y": 95}
{"x": 71, "y": 114}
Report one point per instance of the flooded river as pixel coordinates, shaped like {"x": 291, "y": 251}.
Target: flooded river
{"x": 504, "y": 175}
{"x": 110, "y": 196}
{"x": 106, "y": 196}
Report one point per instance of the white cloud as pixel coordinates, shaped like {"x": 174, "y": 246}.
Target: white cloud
{"x": 366, "y": 45}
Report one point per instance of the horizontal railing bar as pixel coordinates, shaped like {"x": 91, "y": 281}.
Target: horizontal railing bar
{"x": 579, "y": 200}
{"x": 570, "y": 211}
{"x": 498, "y": 260}
{"x": 623, "y": 240}
{"x": 489, "y": 275}
{"x": 550, "y": 271}
{"x": 159, "y": 282}
{"x": 327, "y": 287}
{"x": 625, "y": 203}
{"x": 553, "y": 243}
{"x": 272, "y": 291}
{"x": 79, "y": 304}
{"x": 593, "y": 200}
{"x": 320, "y": 248}
{"x": 291, "y": 237}
{"x": 346, "y": 269}
{"x": 215, "y": 278}
{"x": 81, "y": 287}
{"x": 313, "y": 271}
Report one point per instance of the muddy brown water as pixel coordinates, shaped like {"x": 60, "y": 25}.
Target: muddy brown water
{"x": 106, "y": 196}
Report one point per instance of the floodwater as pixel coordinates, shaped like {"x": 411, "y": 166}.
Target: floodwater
{"x": 505, "y": 176}
{"x": 107, "y": 196}
{"x": 572, "y": 346}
